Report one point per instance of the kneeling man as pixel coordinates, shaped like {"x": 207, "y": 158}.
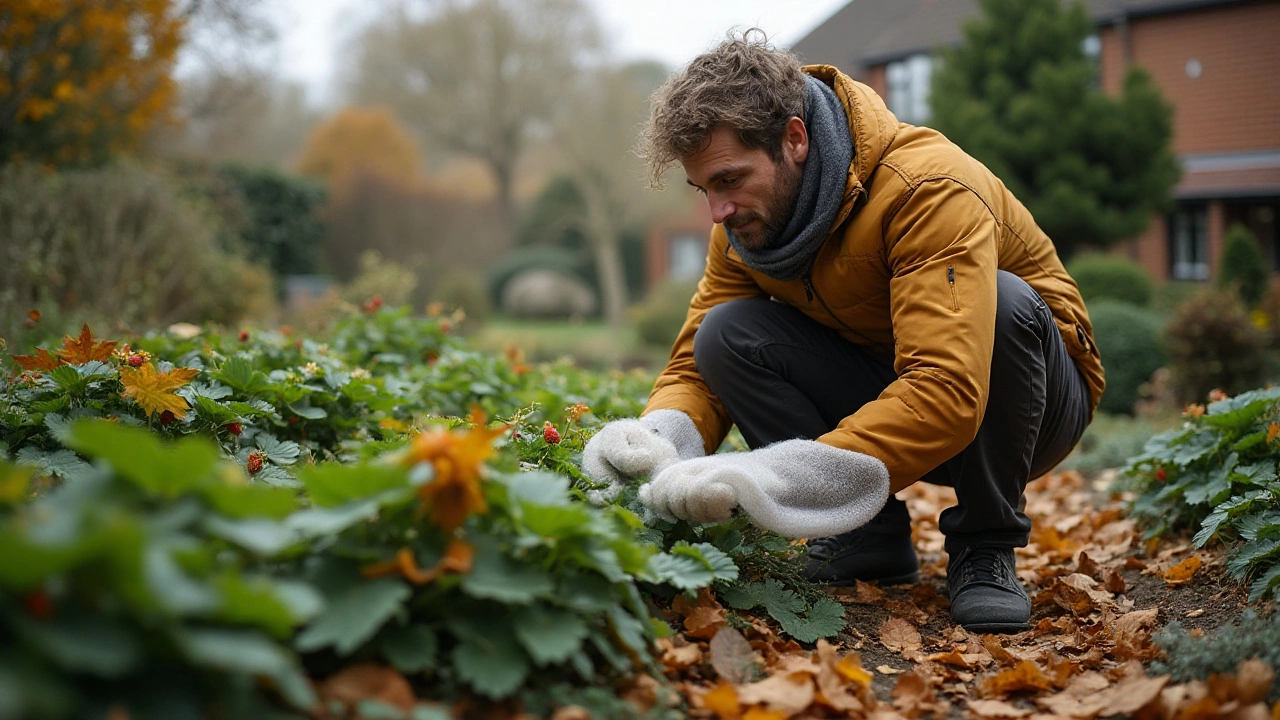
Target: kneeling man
{"x": 877, "y": 309}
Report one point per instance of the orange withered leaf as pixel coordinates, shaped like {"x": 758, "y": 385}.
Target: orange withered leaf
{"x": 42, "y": 361}
{"x": 457, "y": 458}
{"x": 83, "y": 349}
{"x": 154, "y": 390}
{"x": 457, "y": 559}
{"x": 723, "y": 701}
{"x": 1273, "y": 430}
{"x": 1183, "y": 571}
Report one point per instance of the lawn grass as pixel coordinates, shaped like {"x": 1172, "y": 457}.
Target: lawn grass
{"x": 590, "y": 343}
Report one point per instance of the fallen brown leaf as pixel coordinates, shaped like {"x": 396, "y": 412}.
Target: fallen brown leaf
{"x": 789, "y": 693}
{"x": 1091, "y": 694}
{"x": 996, "y": 709}
{"x": 913, "y": 696}
{"x": 1183, "y": 571}
{"x": 723, "y": 701}
{"x": 368, "y": 681}
{"x": 1026, "y": 675}
{"x": 731, "y": 656}
{"x": 900, "y": 636}
{"x": 1115, "y": 582}
{"x": 678, "y": 657}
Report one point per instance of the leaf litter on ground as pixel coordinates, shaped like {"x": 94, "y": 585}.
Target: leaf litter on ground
{"x": 1085, "y": 655}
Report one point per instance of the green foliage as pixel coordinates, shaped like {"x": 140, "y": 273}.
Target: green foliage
{"x": 1188, "y": 657}
{"x": 1218, "y": 472}
{"x": 1020, "y": 95}
{"x": 1110, "y": 277}
{"x": 1242, "y": 267}
{"x": 659, "y": 318}
{"x": 1213, "y": 345}
{"x": 537, "y": 257}
{"x": 283, "y": 228}
{"x": 144, "y": 549}
{"x": 1128, "y": 339}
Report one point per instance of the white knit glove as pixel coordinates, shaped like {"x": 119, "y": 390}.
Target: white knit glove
{"x": 796, "y": 488}
{"x": 624, "y": 450}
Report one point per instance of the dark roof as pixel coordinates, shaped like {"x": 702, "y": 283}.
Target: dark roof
{"x": 870, "y": 32}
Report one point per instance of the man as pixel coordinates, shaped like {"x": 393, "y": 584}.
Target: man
{"x": 877, "y": 309}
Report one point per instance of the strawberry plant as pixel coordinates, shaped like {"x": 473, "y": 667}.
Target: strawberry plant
{"x": 1218, "y": 473}
{"x": 319, "y": 506}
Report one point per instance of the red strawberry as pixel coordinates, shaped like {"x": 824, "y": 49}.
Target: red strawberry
{"x": 254, "y": 465}
{"x": 1161, "y": 475}
{"x": 136, "y": 360}
{"x": 167, "y": 417}
{"x": 550, "y": 434}
{"x": 38, "y": 604}
{"x": 244, "y": 336}
{"x": 235, "y": 428}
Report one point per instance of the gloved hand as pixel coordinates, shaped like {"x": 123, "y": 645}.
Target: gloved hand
{"x": 626, "y": 449}
{"x": 796, "y": 488}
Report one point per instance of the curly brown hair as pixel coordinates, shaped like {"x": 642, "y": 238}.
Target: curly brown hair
{"x": 744, "y": 83}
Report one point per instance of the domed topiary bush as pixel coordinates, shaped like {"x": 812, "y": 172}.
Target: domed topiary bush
{"x": 1213, "y": 345}
{"x": 1128, "y": 339}
{"x": 1110, "y": 277}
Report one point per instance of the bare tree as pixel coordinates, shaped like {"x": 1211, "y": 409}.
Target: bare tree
{"x": 478, "y": 77}
{"x": 596, "y": 133}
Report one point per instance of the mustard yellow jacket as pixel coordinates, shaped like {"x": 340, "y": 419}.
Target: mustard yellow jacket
{"x": 909, "y": 273}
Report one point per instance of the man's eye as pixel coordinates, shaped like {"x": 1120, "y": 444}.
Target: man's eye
{"x": 730, "y": 181}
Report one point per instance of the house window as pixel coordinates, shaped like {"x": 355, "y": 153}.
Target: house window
{"x": 688, "y": 257}
{"x": 1189, "y": 243}
{"x": 908, "y": 81}
{"x": 1091, "y": 47}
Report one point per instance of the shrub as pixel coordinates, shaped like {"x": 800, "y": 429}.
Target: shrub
{"x": 536, "y": 257}
{"x": 658, "y": 319}
{"x": 389, "y": 281}
{"x": 1213, "y": 345}
{"x": 117, "y": 242}
{"x": 1188, "y": 657}
{"x": 283, "y": 227}
{"x": 1128, "y": 339}
{"x": 1242, "y": 267}
{"x": 1103, "y": 277}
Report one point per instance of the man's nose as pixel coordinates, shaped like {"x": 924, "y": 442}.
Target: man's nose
{"x": 721, "y": 208}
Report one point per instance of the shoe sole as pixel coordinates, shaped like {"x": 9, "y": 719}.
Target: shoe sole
{"x": 998, "y": 628}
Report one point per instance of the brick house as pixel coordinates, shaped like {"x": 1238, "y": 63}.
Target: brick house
{"x": 1216, "y": 61}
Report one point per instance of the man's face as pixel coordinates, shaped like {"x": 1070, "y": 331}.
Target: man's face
{"x": 746, "y": 190}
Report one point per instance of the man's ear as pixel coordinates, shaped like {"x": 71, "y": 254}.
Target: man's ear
{"x": 795, "y": 141}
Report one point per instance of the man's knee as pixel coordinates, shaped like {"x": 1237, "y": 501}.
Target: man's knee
{"x": 1017, "y": 304}
{"x": 722, "y": 334}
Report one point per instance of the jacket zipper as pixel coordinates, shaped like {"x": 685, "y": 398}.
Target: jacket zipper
{"x": 811, "y": 293}
{"x": 951, "y": 280}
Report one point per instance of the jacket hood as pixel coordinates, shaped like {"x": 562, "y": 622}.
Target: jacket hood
{"x": 871, "y": 125}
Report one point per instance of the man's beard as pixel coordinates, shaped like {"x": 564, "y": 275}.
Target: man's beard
{"x": 778, "y": 210}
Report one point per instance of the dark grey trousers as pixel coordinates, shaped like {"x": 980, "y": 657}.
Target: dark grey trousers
{"x": 782, "y": 375}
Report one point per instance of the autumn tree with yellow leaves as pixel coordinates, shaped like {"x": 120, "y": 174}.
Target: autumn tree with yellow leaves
{"x": 357, "y": 142}
{"x": 81, "y": 80}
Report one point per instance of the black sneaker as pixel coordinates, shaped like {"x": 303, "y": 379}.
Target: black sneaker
{"x": 986, "y": 596}
{"x": 879, "y": 551}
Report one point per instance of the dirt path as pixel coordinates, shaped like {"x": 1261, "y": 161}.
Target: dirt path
{"x": 1098, "y": 592}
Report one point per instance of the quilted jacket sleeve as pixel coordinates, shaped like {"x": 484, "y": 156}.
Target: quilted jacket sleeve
{"x": 941, "y": 247}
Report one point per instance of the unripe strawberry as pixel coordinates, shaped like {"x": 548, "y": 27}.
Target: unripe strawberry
{"x": 254, "y": 465}
{"x": 167, "y": 417}
{"x": 244, "y": 336}
{"x": 38, "y": 604}
{"x": 235, "y": 428}
{"x": 136, "y": 360}
{"x": 550, "y": 434}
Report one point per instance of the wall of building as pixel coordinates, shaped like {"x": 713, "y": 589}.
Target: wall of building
{"x": 1234, "y": 104}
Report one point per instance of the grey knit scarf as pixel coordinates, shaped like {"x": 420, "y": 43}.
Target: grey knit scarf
{"x": 822, "y": 188}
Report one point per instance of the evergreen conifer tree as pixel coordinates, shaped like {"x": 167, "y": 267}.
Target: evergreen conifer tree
{"x": 1021, "y": 95}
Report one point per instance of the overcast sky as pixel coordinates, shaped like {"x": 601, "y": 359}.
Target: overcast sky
{"x": 672, "y": 31}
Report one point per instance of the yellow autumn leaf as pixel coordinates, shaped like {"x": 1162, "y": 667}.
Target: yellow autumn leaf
{"x": 154, "y": 390}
